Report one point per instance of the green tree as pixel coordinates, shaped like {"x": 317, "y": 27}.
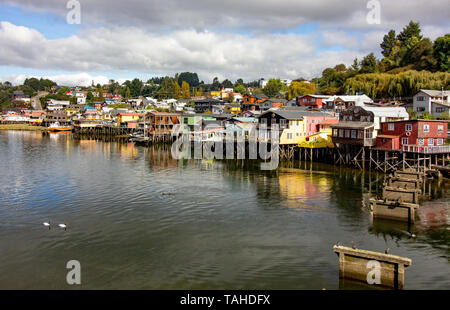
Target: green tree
{"x": 421, "y": 56}
{"x": 427, "y": 116}
{"x": 388, "y": 44}
{"x": 369, "y": 64}
{"x": 445, "y": 116}
{"x": 127, "y": 93}
{"x": 135, "y": 87}
{"x": 410, "y": 34}
{"x": 185, "y": 89}
{"x": 89, "y": 97}
{"x": 273, "y": 87}
{"x": 240, "y": 88}
{"x": 300, "y": 89}
{"x": 442, "y": 53}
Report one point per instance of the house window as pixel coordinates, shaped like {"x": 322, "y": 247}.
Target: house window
{"x": 353, "y": 134}
{"x": 341, "y": 133}
{"x": 360, "y": 134}
{"x": 440, "y": 128}
{"x": 404, "y": 141}
{"x": 420, "y": 109}
{"x": 426, "y": 128}
{"x": 420, "y": 98}
{"x": 440, "y": 110}
{"x": 313, "y": 99}
{"x": 289, "y": 135}
{"x": 431, "y": 141}
{"x": 408, "y": 127}
{"x": 391, "y": 127}
{"x": 421, "y": 141}
{"x": 439, "y": 141}
{"x": 347, "y": 133}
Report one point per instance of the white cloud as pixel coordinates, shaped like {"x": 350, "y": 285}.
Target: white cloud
{"x": 78, "y": 79}
{"x": 248, "y": 14}
{"x": 131, "y": 49}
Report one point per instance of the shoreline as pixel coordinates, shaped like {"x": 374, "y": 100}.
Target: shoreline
{"x": 22, "y": 127}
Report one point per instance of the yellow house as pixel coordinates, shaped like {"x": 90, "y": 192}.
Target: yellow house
{"x": 294, "y": 133}
{"x": 232, "y": 109}
{"x": 124, "y": 118}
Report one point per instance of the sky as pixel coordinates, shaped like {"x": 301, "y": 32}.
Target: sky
{"x": 250, "y": 39}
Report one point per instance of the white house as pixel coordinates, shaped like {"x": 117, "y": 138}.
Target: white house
{"x": 435, "y": 102}
{"x": 339, "y": 103}
{"x": 54, "y": 105}
{"x": 81, "y": 98}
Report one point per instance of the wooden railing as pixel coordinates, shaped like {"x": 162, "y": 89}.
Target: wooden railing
{"x": 427, "y": 149}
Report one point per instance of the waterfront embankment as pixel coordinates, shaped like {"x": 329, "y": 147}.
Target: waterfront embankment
{"x": 24, "y": 127}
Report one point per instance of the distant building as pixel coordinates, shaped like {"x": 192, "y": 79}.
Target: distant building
{"x": 204, "y": 105}
{"x": 312, "y": 101}
{"x": 435, "y": 102}
{"x": 342, "y": 103}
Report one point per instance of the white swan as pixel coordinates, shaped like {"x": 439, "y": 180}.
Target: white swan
{"x": 64, "y": 226}
{"x": 46, "y": 224}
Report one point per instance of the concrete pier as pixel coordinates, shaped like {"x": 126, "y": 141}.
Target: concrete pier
{"x": 393, "y": 210}
{"x": 374, "y": 268}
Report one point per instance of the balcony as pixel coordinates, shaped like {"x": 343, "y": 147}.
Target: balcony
{"x": 427, "y": 149}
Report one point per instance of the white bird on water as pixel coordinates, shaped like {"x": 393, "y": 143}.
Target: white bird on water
{"x": 64, "y": 226}
{"x": 46, "y": 224}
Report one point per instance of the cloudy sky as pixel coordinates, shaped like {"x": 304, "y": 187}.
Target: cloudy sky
{"x": 247, "y": 39}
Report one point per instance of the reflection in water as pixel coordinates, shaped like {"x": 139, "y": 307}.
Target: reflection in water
{"x": 138, "y": 219}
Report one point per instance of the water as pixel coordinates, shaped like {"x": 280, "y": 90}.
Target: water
{"x": 137, "y": 219}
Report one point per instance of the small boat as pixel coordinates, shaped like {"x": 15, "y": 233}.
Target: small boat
{"x": 57, "y": 127}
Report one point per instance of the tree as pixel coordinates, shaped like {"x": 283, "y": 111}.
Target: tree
{"x": 445, "y": 116}
{"x": 216, "y": 84}
{"x": 100, "y": 94}
{"x": 355, "y": 65}
{"x": 185, "y": 90}
{"x": 388, "y": 44}
{"x": 442, "y": 53}
{"x": 227, "y": 84}
{"x": 89, "y": 97}
{"x": 188, "y": 77}
{"x": 300, "y": 89}
{"x": 239, "y": 82}
{"x": 369, "y": 64}
{"x": 273, "y": 87}
{"x": 340, "y": 68}
{"x": 410, "y": 34}
{"x": 421, "y": 56}
{"x": 135, "y": 87}
{"x": 240, "y": 88}
{"x": 127, "y": 93}
{"x": 427, "y": 116}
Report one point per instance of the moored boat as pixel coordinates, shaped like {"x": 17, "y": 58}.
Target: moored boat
{"x": 57, "y": 127}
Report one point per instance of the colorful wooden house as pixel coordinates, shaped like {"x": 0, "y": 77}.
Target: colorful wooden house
{"x": 412, "y": 135}
{"x": 128, "y": 120}
{"x": 312, "y": 101}
{"x": 296, "y": 125}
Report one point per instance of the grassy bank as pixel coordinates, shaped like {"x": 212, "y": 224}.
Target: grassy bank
{"x": 25, "y": 127}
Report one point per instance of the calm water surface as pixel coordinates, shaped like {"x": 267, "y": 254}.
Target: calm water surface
{"x": 137, "y": 219}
